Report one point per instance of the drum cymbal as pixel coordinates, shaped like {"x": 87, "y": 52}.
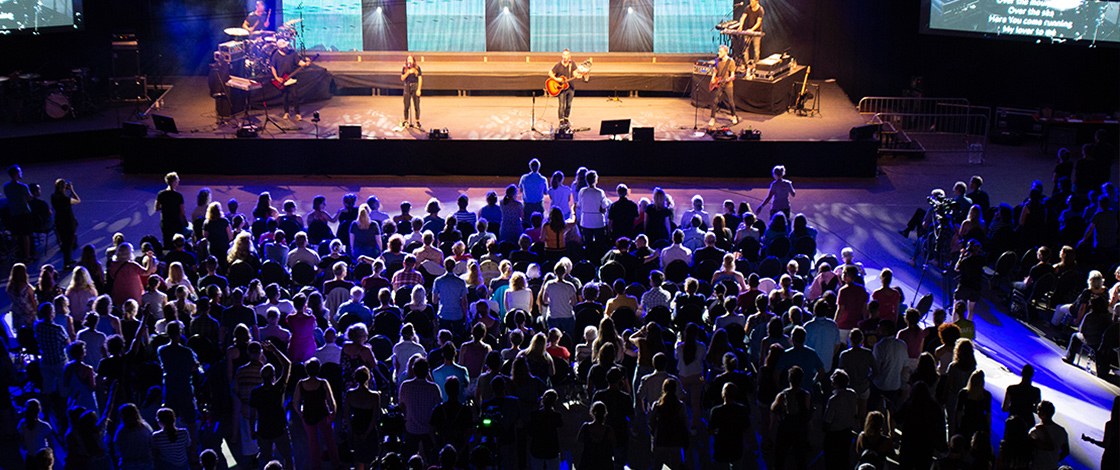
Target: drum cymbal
{"x": 237, "y": 32}
{"x": 292, "y": 22}
{"x": 3, "y": 78}
{"x": 29, "y": 76}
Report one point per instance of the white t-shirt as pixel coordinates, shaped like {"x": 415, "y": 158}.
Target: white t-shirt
{"x": 592, "y": 205}
{"x": 674, "y": 253}
{"x": 1047, "y": 459}
{"x": 696, "y": 366}
{"x": 560, "y": 295}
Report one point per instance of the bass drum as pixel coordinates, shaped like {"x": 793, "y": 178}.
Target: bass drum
{"x": 57, "y": 105}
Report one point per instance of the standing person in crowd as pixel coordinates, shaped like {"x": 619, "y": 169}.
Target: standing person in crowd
{"x": 133, "y": 442}
{"x": 533, "y": 187}
{"x": 851, "y": 302}
{"x": 362, "y": 410}
{"x": 592, "y": 203}
{"x": 18, "y": 195}
{"x": 668, "y": 424}
{"x": 974, "y": 407}
{"x": 1021, "y": 399}
{"x": 449, "y": 292}
{"x": 65, "y": 224}
{"x": 780, "y": 191}
{"x": 418, "y": 397}
{"x": 690, "y": 352}
{"x": 314, "y": 404}
{"x": 180, "y": 368}
{"x": 730, "y": 423}
{"x": 544, "y": 434}
{"x": 34, "y": 433}
{"x": 22, "y": 295}
{"x": 841, "y": 421}
{"x": 170, "y": 445}
{"x": 1051, "y": 442}
{"x": 127, "y": 276}
{"x": 793, "y": 409}
{"x": 511, "y": 216}
{"x": 268, "y": 417}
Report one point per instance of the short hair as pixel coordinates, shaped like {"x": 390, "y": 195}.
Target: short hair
{"x": 534, "y": 164}
{"x": 169, "y": 178}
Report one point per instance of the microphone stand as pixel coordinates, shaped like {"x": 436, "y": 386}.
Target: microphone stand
{"x": 695, "y": 107}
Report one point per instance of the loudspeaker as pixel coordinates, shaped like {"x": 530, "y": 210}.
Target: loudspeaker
{"x": 643, "y": 134}
{"x": 130, "y": 89}
{"x": 866, "y": 132}
{"x": 133, "y": 129}
{"x": 350, "y": 131}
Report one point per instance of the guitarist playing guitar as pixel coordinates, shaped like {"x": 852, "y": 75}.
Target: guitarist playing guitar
{"x": 723, "y": 84}
{"x": 563, "y": 72}
{"x": 285, "y": 62}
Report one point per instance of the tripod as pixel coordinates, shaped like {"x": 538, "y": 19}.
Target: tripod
{"x": 936, "y": 244}
{"x": 533, "y": 113}
{"x": 695, "y": 107}
{"x": 267, "y": 120}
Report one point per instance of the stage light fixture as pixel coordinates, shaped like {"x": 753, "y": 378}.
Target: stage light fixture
{"x": 629, "y": 10}
{"x": 438, "y": 134}
{"x": 505, "y": 9}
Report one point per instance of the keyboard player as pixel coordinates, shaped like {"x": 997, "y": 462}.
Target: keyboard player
{"x": 751, "y": 20}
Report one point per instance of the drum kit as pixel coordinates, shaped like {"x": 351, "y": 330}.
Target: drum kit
{"x": 25, "y": 96}
{"x": 260, "y": 45}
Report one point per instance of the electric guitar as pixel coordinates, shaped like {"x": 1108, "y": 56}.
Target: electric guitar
{"x": 286, "y": 80}
{"x": 554, "y": 86}
{"x": 804, "y": 96}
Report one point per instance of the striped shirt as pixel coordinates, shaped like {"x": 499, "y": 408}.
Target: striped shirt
{"x": 171, "y": 454}
{"x": 419, "y": 397}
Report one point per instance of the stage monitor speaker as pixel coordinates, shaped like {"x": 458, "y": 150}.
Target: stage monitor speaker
{"x": 133, "y": 129}
{"x": 350, "y": 131}
{"x": 866, "y": 132}
{"x": 643, "y": 134}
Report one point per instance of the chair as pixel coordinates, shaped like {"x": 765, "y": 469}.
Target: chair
{"x": 658, "y": 245}
{"x": 382, "y": 347}
{"x": 499, "y": 296}
{"x": 584, "y": 271}
{"x": 1040, "y": 297}
{"x": 1087, "y": 351}
{"x": 1001, "y": 274}
{"x": 402, "y": 296}
{"x": 624, "y": 318}
{"x": 924, "y": 304}
{"x": 478, "y": 250}
{"x": 289, "y": 227}
{"x": 319, "y": 231}
{"x": 805, "y": 246}
{"x": 303, "y": 274}
{"x": 611, "y": 271}
{"x": 259, "y": 227}
{"x": 362, "y": 271}
{"x": 677, "y": 271}
{"x": 1068, "y": 287}
{"x": 778, "y": 247}
{"x": 409, "y": 248}
{"x": 830, "y": 259}
{"x": 240, "y": 273}
{"x": 770, "y": 267}
{"x": 750, "y": 248}
{"x": 506, "y": 247}
{"x": 705, "y": 269}
{"x": 804, "y": 264}
{"x": 323, "y": 248}
{"x": 335, "y": 298}
{"x": 392, "y": 269}
{"x": 660, "y": 315}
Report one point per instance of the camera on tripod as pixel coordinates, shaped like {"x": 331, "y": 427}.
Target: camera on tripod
{"x": 942, "y": 205}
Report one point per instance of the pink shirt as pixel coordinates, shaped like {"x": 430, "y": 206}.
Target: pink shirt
{"x": 889, "y": 300}
{"x": 913, "y": 337}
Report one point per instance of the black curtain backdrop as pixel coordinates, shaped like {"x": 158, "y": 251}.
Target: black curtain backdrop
{"x": 872, "y": 48}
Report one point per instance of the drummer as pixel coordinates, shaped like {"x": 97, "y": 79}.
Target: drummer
{"x": 258, "y": 20}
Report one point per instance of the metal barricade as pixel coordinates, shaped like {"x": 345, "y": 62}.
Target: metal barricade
{"x": 922, "y": 125}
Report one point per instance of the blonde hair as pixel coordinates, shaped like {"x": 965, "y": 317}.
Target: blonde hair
{"x": 81, "y": 282}
{"x": 214, "y": 211}
{"x": 363, "y": 216}
{"x": 517, "y": 282}
{"x": 239, "y": 249}
{"x": 176, "y": 273}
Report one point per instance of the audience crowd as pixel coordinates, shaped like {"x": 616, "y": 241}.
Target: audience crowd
{"x": 598, "y": 330}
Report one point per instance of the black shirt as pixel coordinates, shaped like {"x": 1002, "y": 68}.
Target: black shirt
{"x": 413, "y": 78}
{"x": 171, "y": 203}
{"x": 543, "y": 429}
{"x": 285, "y": 63}
{"x": 622, "y": 215}
{"x": 268, "y": 400}
{"x": 752, "y": 17}
{"x": 728, "y": 424}
{"x": 255, "y": 21}
{"x": 63, "y": 212}
{"x": 565, "y": 71}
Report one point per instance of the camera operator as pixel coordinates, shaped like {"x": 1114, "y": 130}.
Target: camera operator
{"x": 923, "y": 221}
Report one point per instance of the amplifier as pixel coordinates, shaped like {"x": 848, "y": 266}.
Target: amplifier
{"x": 234, "y": 50}
{"x": 703, "y": 67}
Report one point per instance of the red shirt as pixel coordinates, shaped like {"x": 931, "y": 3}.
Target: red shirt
{"x": 889, "y": 300}
{"x": 851, "y": 302}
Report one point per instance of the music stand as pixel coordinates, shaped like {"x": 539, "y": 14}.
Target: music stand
{"x": 165, "y": 124}
{"x": 614, "y": 128}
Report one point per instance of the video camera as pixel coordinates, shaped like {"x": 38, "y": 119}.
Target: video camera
{"x": 942, "y": 205}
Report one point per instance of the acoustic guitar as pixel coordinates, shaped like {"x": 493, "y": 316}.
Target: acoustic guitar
{"x": 554, "y": 87}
